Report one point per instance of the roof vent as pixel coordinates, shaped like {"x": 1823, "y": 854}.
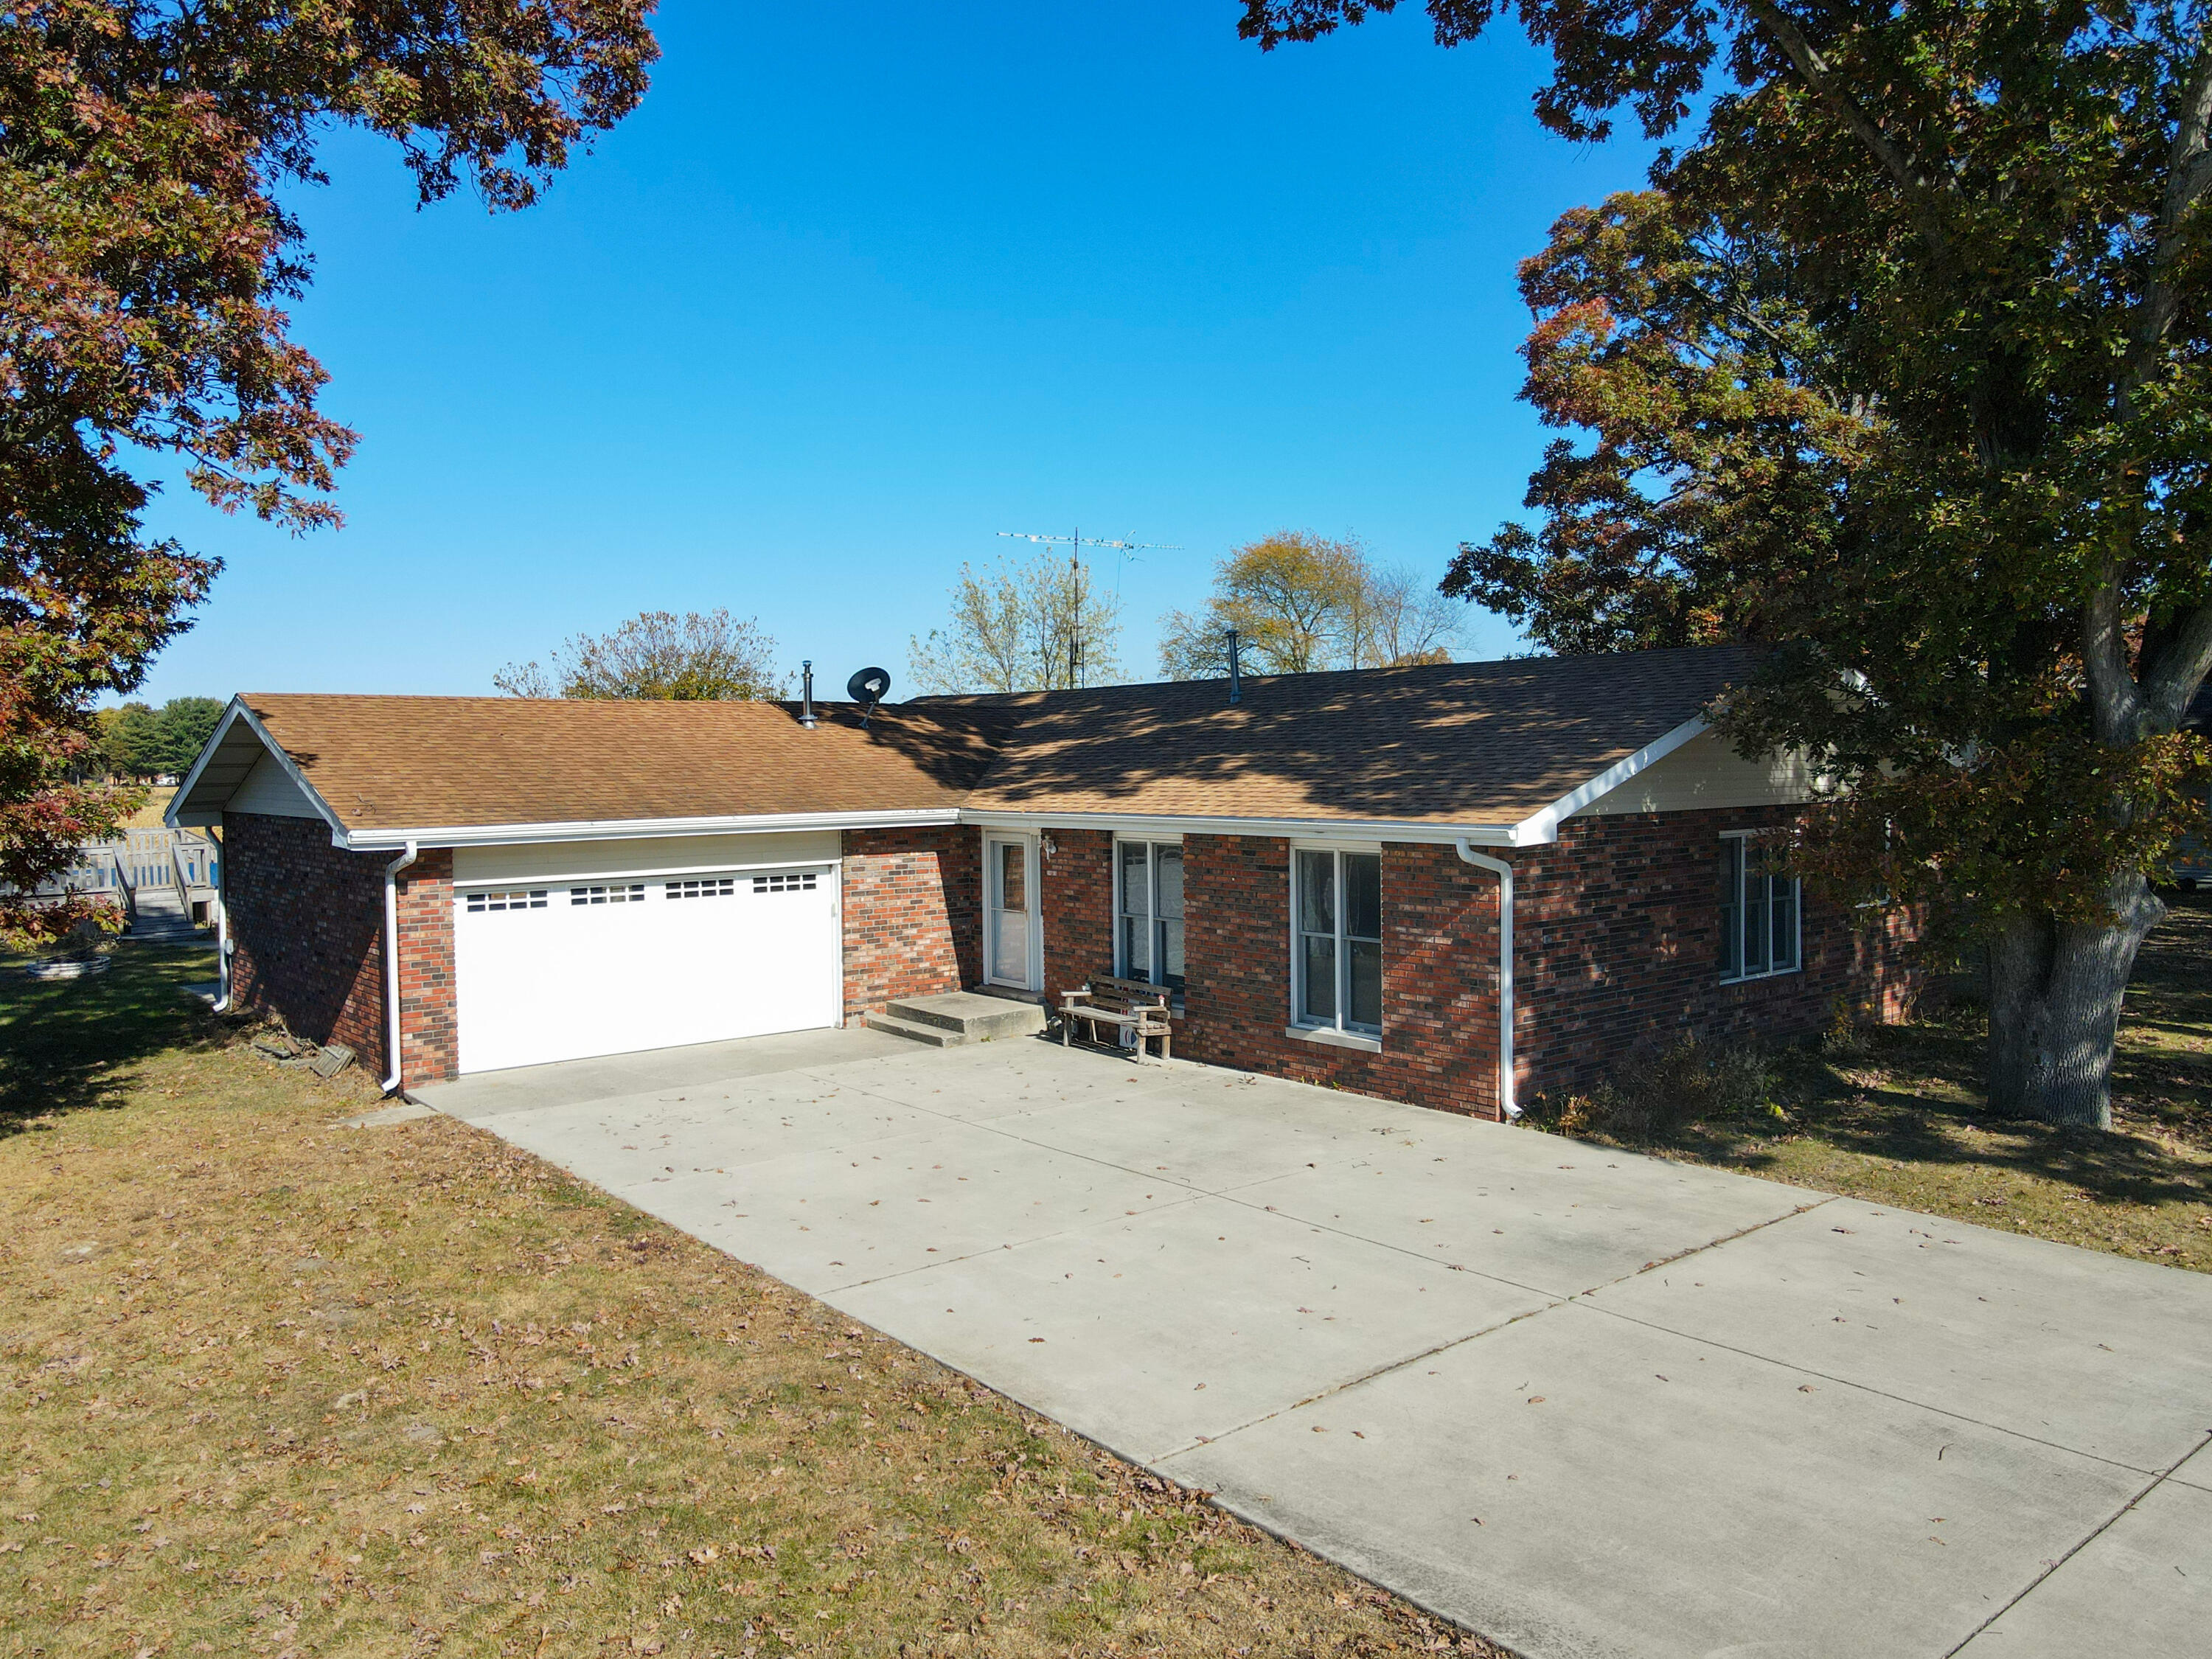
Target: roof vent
{"x": 806, "y": 695}
{"x": 868, "y": 687}
{"x": 1235, "y": 675}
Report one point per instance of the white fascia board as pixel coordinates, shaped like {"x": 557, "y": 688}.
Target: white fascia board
{"x": 237, "y": 713}
{"x": 199, "y": 760}
{"x": 518, "y": 835}
{"x": 1541, "y": 829}
{"x": 183, "y": 792}
{"x": 1328, "y": 829}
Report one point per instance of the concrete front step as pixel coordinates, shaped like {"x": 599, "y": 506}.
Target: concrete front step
{"x": 935, "y": 1036}
{"x": 959, "y": 1016}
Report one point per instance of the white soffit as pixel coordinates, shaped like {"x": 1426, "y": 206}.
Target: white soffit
{"x": 237, "y": 744}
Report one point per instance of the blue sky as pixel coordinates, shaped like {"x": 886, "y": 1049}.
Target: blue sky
{"x": 858, "y": 286}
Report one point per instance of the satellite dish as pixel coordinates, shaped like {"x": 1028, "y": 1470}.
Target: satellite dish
{"x": 869, "y": 687}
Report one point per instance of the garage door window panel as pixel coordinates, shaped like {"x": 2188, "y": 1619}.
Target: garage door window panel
{"x": 535, "y": 898}
{"x": 633, "y": 893}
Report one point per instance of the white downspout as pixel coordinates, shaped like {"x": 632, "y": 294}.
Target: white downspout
{"x": 222, "y": 925}
{"x": 392, "y": 964}
{"x": 1504, "y": 872}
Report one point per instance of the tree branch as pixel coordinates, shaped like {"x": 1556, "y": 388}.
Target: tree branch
{"x": 2187, "y": 176}
{"x": 1813, "y": 69}
{"x": 2170, "y": 680}
{"x": 2115, "y": 703}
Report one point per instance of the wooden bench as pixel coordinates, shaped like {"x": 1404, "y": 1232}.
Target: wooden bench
{"x": 1124, "y": 1003}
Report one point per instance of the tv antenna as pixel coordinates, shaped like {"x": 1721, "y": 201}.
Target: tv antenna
{"x": 1075, "y": 544}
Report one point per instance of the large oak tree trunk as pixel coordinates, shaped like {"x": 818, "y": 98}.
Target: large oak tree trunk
{"x": 2055, "y": 994}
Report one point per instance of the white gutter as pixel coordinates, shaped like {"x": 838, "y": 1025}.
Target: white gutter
{"x": 1438, "y": 834}
{"x": 518, "y": 835}
{"x": 392, "y": 963}
{"x": 1504, "y": 872}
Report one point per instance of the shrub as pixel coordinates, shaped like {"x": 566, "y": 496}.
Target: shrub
{"x": 1655, "y": 1095}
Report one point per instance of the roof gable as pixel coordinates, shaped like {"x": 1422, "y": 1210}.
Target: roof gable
{"x": 388, "y": 764}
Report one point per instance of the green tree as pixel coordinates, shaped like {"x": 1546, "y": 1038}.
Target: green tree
{"x": 703, "y": 656}
{"x": 131, "y": 740}
{"x": 1300, "y": 602}
{"x": 145, "y": 256}
{"x": 1040, "y": 623}
{"x": 186, "y": 724}
{"x": 1901, "y": 366}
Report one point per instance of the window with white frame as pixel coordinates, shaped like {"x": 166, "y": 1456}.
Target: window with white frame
{"x": 1148, "y": 912}
{"x": 1758, "y": 911}
{"x": 1336, "y": 959}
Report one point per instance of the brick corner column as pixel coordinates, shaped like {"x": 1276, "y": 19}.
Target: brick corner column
{"x": 429, "y": 1032}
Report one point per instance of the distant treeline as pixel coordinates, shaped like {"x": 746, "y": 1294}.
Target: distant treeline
{"x": 138, "y": 740}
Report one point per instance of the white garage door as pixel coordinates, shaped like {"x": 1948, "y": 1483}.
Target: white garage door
{"x": 551, "y": 971}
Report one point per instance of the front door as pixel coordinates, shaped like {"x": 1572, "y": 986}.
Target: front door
{"x": 1009, "y": 882}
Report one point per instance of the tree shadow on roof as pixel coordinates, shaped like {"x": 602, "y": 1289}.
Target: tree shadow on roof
{"x": 1453, "y": 741}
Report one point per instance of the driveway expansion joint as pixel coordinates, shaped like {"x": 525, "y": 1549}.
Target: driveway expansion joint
{"x": 2051, "y": 1567}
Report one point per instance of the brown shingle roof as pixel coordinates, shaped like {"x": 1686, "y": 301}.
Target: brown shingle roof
{"x": 1456, "y": 743}
{"x": 398, "y": 762}
{"x": 1453, "y": 743}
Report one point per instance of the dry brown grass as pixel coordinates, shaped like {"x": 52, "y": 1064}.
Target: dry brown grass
{"x": 1898, "y": 1117}
{"x": 274, "y": 1386}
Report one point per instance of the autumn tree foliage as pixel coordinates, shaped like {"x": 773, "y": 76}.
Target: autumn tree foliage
{"x": 1901, "y": 368}
{"x": 145, "y": 257}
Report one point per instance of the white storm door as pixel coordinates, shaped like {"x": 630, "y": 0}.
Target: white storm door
{"x": 1009, "y": 906}
{"x": 565, "y": 971}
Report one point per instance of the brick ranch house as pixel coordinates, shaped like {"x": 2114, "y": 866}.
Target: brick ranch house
{"x": 1457, "y": 885}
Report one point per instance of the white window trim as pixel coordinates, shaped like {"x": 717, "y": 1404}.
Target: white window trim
{"x": 1335, "y": 1033}
{"x": 1797, "y": 921}
{"x": 1121, "y": 958}
{"x": 1329, "y": 1037}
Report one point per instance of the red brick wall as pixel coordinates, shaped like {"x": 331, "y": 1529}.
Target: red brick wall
{"x": 1439, "y": 974}
{"x": 424, "y": 899}
{"x": 307, "y": 923}
{"x": 1079, "y": 910}
{"x": 1617, "y": 950}
{"x": 912, "y": 919}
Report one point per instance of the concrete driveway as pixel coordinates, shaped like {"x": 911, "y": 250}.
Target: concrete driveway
{"x": 1582, "y": 1402}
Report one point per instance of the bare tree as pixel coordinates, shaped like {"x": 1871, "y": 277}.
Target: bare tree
{"x": 1300, "y": 602}
{"x": 1398, "y": 619}
{"x": 1040, "y": 623}
{"x": 699, "y": 657}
